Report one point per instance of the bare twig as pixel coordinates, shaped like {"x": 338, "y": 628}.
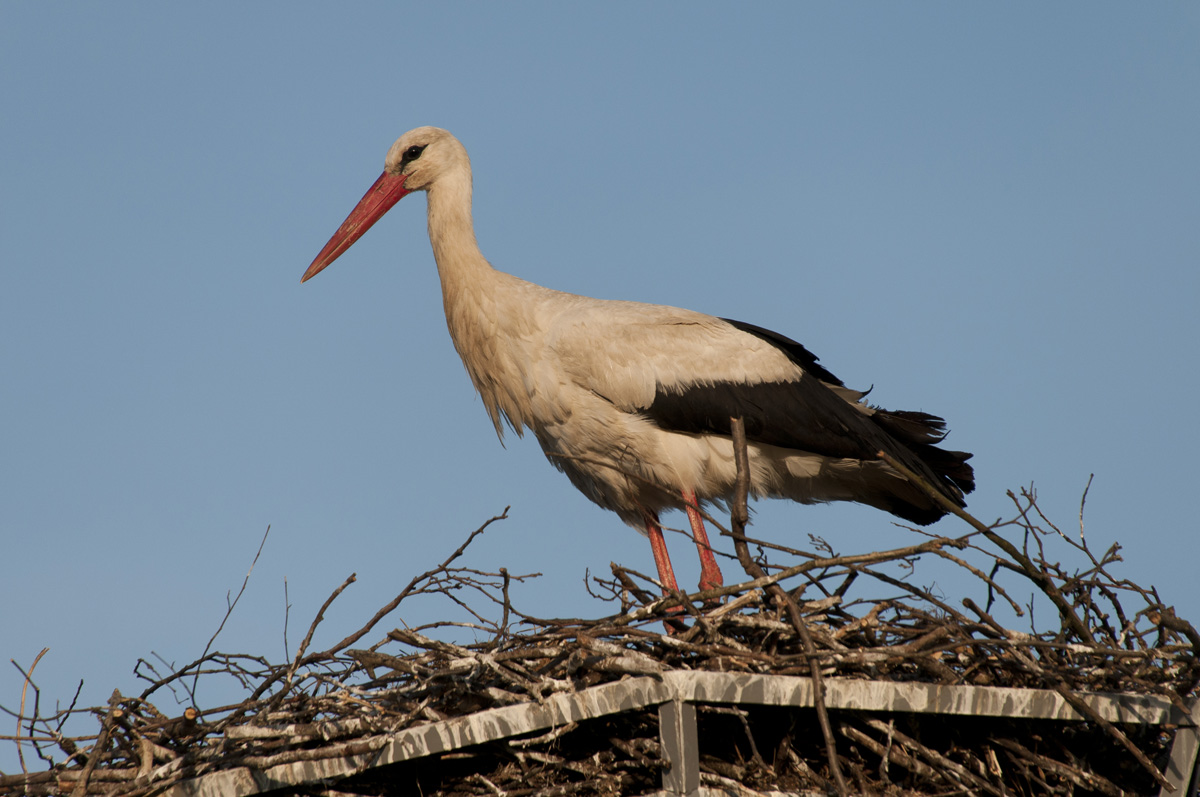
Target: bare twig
{"x": 412, "y": 585}
{"x": 21, "y": 715}
{"x": 228, "y": 612}
{"x": 313, "y": 627}
{"x": 98, "y": 749}
{"x": 1082, "y": 503}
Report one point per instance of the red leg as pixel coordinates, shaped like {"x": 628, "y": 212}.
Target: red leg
{"x": 666, "y": 574}
{"x": 710, "y": 572}
{"x": 662, "y": 559}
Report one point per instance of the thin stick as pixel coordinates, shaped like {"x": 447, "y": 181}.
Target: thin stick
{"x": 313, "y": 628}
{"x": 1089, "y": 712}
{"x": 287, "y": 608}
{"x": 507, "y": 605}
{"x": 738, "y": 517}
{"x": 228, "y": 612}
{"x": 1082, "y": 502}
{"x": 21, "y": 715}
{"x": 97, "y": 751}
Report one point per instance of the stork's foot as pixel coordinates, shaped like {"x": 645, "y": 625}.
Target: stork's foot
{"x": 711, "y": 579}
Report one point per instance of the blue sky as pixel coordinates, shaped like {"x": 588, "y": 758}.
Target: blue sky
{"x": 985, "y": 211}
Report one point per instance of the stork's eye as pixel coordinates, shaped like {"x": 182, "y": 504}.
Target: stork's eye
{"x": 411, "y": 154}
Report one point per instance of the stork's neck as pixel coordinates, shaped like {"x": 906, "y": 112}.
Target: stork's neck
{"x": 480, "y": 313}
{"x": 452, "y": 234}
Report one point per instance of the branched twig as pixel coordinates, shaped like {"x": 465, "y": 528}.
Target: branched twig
{"x": 404, "y": 593}
{"x": 228, "y": 612}
{"x": 20, "y": 716}
{"x": 312, "y": 629}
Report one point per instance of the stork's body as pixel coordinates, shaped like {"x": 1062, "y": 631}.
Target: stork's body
{"x": 632, "y": 401}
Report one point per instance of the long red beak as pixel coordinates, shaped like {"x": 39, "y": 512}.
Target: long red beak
{"x": 387, "y": 191}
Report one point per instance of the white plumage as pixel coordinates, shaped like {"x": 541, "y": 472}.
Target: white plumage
{"x": 632, "y": 401}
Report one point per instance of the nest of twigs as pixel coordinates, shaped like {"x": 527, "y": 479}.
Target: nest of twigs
{"x": 814, "y": 614}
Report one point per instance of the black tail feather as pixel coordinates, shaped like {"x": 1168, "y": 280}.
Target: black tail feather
{"x": 952, "y": 475}
{"x": 913, "y": 428}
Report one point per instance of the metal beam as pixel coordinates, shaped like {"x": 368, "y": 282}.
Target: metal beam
{"x": 1181, "y": 767}
{"x": 676, "y": 692}
{"x": 862, "y": 695}
{"x": 680, "y": 746}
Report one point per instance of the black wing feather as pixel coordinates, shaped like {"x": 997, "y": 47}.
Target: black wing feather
{"x": 803, "y": 415}
{"x": 806, "y": 415}
{"x": 794, "y": 350}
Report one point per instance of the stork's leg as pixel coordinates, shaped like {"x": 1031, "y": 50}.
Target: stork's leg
{"x": 666, "y": 574}
{"x": 710, "y": 572}
{"x": 662, "y": 559}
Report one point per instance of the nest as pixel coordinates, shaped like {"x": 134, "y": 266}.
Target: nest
{"x": 814, "y": 616}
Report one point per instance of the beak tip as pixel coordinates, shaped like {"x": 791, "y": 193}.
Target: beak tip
{"x": 387, "y": 191}
{"x": 315, "y": 268}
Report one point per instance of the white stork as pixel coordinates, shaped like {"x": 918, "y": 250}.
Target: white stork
{"x": 633, "y": 401}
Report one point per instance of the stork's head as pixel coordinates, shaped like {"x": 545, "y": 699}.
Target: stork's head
{"x": 414, "y": 163}
{"x": 423, "y": 155}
